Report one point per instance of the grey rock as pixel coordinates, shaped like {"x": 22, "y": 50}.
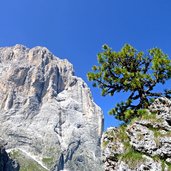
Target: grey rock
{"x": 141, "y": 138}
{"x": 150, "y": 164}
{"x": 144, "y": 144}
{"x": 47, "y": 112}
{"x": 162, "y": 106}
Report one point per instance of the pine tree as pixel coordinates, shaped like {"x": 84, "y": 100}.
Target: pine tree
{"x": 133, "y": 73}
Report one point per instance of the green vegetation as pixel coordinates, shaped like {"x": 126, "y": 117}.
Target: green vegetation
{"x": 50, "y": 158}
{"x": 153, "y": 119}
{"x": 48, "y": 161}
{"x": 169, "y": 166}
{"x": 134, "y": 73}
{"x": 119, "y": 134}
{"x": 104, "y": 144}
{"x": 122, "y": 134}
{"x": 26, "y": 163}
{"x": 15, "y": 154}
{"x": 158, "y": 134}
{"x": 132, "y": 158}
{"x": 164, "y": 164}
{"x": 148, "y": 116}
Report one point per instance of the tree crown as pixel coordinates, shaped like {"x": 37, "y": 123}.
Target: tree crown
{"x": 133, "y": 72}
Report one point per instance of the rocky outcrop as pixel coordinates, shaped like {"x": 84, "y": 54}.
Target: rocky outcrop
{"x": 46, "y": 113}
{"x": 144, "y": 144}
{"x": 6, "y": 163}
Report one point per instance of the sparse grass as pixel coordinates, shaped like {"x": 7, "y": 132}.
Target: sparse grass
{"x": 50, "y": 157}
{"x": 104, "y": 144}
{"x": 14, "y": 154}
{"x": 152, "y": 117}
{"x": 169, "y": 165}
{"x": 132, "y": 158}
{"x": 122, "y": 135}
{"x": 156, "y": 158}
{"x": 158, "y": 134}
{"x": 119, "y": 135}
{"x": 51, "y": 149}
{"x": 164, "y": 164}
{"x": 48, "y": 161}
{"x": 26, "y": 163}
{"x": 140, "y": 136}
{"x": 144, "y": 114}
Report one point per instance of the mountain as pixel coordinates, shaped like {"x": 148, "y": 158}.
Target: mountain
{"x": 47, "y": 115}
{"x": 144, "y": 144}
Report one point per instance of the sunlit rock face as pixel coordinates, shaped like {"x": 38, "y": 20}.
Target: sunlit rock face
{"x": 144, "y": 144}
{"x": 47, "y": 113}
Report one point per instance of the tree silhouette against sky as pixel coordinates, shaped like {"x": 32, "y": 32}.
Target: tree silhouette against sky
{"x": 134, "y": 73}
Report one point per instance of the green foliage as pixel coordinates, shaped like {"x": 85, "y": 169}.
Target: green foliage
{"x": 134, "y": 73}
{"x": 132, "y": 158}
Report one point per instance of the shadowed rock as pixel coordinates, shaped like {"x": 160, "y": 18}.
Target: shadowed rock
{"x": 6, "y": 163}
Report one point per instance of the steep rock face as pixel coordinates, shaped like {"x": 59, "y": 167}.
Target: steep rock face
{"x": 46, "y": 112}
{"x": 144, "y": 144}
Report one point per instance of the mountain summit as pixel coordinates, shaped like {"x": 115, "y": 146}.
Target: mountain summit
{"x": 47, "y": 114}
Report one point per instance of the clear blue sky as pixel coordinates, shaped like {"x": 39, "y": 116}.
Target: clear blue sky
{"x": 76, "y": 30}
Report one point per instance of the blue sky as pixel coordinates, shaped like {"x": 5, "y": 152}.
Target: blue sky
{"x": 76, "y": 30}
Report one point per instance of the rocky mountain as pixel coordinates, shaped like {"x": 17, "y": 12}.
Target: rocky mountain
{"x": 144, "y": 144}
{"x": 47, "y": 115}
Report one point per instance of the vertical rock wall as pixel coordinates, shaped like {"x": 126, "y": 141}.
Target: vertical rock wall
{"x": 47, "y": 113}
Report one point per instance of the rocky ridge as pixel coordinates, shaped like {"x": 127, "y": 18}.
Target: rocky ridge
{"x": 47, "y": 114}
{"x": 144, "y": 144}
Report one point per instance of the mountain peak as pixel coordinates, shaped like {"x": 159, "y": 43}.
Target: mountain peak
{"x": 46, "y": 112}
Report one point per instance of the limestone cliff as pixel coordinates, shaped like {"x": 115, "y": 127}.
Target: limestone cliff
{"x": 144, "y": 144}
{"x": 47, "y": 114}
